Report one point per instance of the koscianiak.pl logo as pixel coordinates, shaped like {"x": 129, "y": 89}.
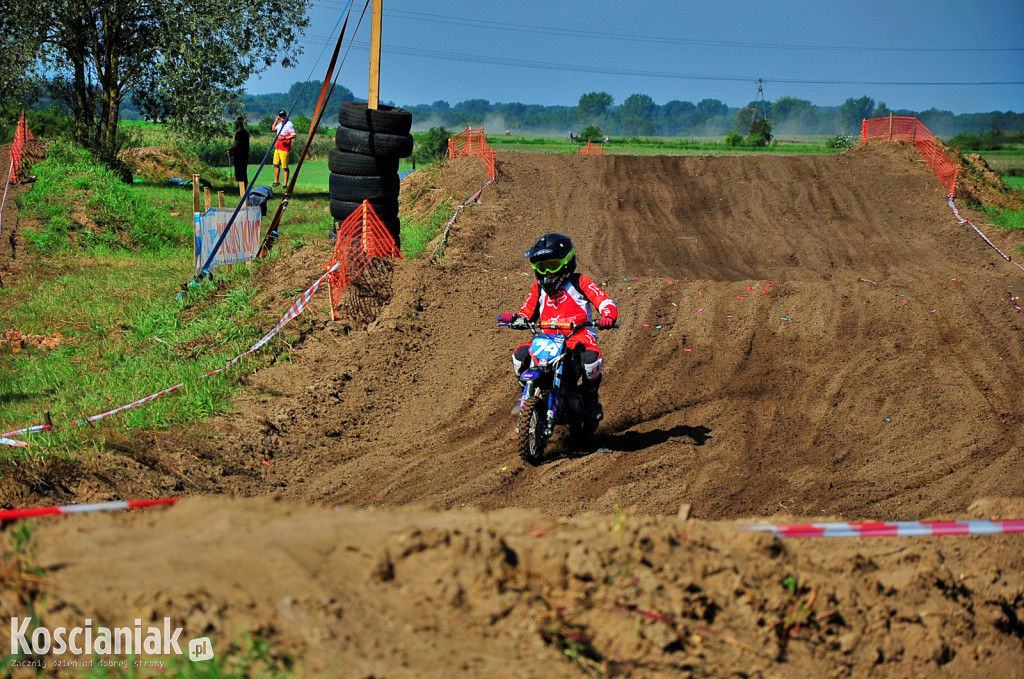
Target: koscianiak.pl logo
{"x": 89, "y": 641}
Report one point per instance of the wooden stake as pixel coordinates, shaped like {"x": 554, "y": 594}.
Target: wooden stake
{"x": 220, "y": 199}
{"x": 207, "y": 198}
{"x": 241, "y": 192}
{"x": 195, "y": 193}
{"x": 374, "y": 99}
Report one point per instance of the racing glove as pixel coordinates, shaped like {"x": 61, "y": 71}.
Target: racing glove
{"x": 507, "y": 317}
{"x": 605, "y": 323}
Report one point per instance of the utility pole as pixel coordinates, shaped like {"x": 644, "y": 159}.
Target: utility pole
{"x": 374, "y": 99}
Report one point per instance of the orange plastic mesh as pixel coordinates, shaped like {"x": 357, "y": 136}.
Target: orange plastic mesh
{"x": 590, "y": 149}
{"x": 473, "y": 142}
{"x": 21, "y": 135}
{"x": 906, "y": 128}
{"x": 361, "y": 238}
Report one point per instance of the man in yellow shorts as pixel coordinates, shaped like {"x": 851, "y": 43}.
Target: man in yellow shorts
{"x": 286, "y": 133}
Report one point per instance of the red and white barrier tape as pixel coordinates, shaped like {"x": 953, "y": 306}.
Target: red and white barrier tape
{"x": 891, "y": 529}
{"x": 964, "y": 220}
{"x": 297, "y": 308}
{"x": 451, "y": 222}
{"x": 15, "y": 514}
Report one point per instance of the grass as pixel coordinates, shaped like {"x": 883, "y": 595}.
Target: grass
{"x": 114, "y": 302}
{"x": 252, "y": 658}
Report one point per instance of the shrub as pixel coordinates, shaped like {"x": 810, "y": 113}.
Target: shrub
{"x": 591, "y": 133}
{"x": 760, "y": 133}
{"x": 431, "y": 146}
{"x": 841, "y": 141}
{"x": 733, "y": 138}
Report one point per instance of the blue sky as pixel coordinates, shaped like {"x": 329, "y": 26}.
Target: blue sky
{"x": 955, "y": 56}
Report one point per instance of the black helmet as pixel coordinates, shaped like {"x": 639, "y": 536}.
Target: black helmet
{"x": 282, "y": 114}
{"x": 553, "y": 258}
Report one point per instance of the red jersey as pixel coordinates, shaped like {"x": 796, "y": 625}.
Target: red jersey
{"x": 576, "y": 301}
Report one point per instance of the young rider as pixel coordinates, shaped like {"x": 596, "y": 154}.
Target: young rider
{"x": 561, "y": 294}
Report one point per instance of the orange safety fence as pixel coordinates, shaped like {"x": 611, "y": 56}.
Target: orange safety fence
{"x": 472, "y": 142}
{"x": 361, "y": 238}
{"x": 21, "y": 135}
{"x": 590, "y": 149}
{"x": 906, "y": 128}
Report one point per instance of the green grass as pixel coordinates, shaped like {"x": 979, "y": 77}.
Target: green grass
{"x": 252, "y": 658}
{"x": 126, "y": 335}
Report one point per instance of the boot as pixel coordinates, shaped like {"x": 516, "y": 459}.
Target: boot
{"x": 588, "y": 392}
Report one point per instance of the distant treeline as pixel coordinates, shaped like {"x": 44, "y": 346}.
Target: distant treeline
{"x": 639, "y": 115}
{"x": 636, "y": 115}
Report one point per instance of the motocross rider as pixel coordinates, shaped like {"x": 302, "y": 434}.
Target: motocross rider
{"x": 562, "y": 294}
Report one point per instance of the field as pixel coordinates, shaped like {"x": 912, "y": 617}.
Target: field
{"x": 808, "y": 336}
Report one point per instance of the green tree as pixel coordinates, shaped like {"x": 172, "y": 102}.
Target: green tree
{"x": 432, "y": 146}
{"x": 760, "y": 133}
{"x": 591, "y": 133}
{"x": 853, "y": 111}
{"x": 592, "y": 105}
{"x": 181, "y": 62}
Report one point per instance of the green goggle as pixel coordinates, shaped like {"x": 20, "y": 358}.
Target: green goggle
{"x": 546, "y": 267}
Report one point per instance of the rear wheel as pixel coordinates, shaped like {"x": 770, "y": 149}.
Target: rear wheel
{"x": 532, "y": 422}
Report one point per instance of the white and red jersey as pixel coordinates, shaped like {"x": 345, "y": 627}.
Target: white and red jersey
{"x": 578, "y": 300}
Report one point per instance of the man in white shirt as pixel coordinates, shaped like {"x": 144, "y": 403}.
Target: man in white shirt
{"x": 286, "y": 133}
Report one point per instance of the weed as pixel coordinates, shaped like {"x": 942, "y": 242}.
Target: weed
{"x": 799, "y": 612}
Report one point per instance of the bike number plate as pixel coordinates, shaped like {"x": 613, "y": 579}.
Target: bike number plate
{"x": 545, "y": 348}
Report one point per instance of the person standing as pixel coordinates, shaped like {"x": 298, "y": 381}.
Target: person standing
{"x": 239, "y": 151}
{"x": 285, "y": 134}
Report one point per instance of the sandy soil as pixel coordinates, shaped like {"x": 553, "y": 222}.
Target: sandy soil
{"x": 802, "y": 337}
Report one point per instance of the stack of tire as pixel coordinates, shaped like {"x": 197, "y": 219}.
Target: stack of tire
{"x": 364, "y": 166}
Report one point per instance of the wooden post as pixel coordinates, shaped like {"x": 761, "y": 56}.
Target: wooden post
{"x": 195, "y": 193}
{"x": 220, "y": 199}
{"x": 207, "y": 198}
{"x": 366, "y": 205}
{"x": 374, "y": 99}
{"x": 913, "y": 135}
{"x": 890, "y": 126}
{"x": 241, "y": 192}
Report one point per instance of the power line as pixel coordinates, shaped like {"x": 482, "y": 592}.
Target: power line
{"x": 571, "y": 32}
{"x": 544, "y": 65}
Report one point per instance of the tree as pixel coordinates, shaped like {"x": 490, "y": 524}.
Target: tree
{"x": 592, "y": 105}
{"x": 432, "y": 146}
{"x": 181, "y": 62}
{"x": 853, "y": 111}
{"x": 590, "y": 133}
{"x": 760, "y": 133}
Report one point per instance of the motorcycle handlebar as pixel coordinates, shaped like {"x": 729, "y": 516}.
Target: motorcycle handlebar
{"x": 554, "y": 325}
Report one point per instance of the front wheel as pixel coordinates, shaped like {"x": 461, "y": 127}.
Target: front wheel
{"x": 532, "y": 422}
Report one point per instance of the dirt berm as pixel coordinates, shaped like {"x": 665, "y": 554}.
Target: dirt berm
{"x": 809, "y": 336}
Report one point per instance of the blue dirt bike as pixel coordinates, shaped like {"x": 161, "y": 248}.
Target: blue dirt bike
{"x": 551, "y": 388}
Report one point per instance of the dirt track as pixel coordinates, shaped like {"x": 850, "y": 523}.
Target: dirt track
{"x": 831, "y": 343}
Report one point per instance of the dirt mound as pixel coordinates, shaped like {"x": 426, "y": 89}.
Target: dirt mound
{"x": 978, "y": 184}
{"x": 12, "y": 244}
{"x": 413, "y": 593}
{"x": 802, "y": 336}
{"x": 158, "y": 164}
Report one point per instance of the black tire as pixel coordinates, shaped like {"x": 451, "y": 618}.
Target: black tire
{"x": 345, "y": 162}
{"x": 353, "y": 188}
{"x": 386, "y": 119}
{"x": 375, "y": 144}
{"x": 531, "y": 439}
{"x": 386, "y": 209}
